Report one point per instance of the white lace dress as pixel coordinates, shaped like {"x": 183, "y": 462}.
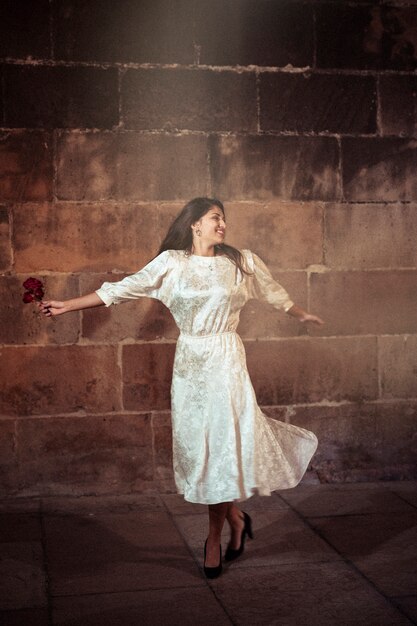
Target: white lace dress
{"x": 224, "y": 447}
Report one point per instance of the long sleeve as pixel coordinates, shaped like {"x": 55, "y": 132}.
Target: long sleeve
{"x": 264, "y": 287}
{"x": 147, "y": 282}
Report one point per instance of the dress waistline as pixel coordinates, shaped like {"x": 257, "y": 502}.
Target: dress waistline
{"x": 224, "y": 332}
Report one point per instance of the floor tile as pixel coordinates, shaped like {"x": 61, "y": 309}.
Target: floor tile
{"x": 167, "y": 607}
{"x": 279, "y": 537}
{"x": 406, "y": 489}
{"x": 342, "y": 499}
{"x": 19, "y": 526}
{"x": 22, "y": 581}
{"x": 107, "y": 553}
{"x": 86, "y": 505}
{"x": 383, "y": 547}
{"x": 308, "y": 594}
{"x": 409, "y": 605}
{"x": 25, "y": 617}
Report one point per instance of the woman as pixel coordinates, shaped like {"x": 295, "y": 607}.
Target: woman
{"x": 224, "y": 448}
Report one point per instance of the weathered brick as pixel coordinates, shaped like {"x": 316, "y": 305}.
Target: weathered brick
{"x": 397, "y": 97}
{"x": 43, "y": 381}
{"x": 366, "y": 37}
{"x": 371, "y": 235}
{"x": 70, "y": 237}
{"x": 183, "y": 99}
{"x": 150, "y": 31}
{"x": 60, "y": 97}
{"x": 254, "y": 33}
{"x": 79, "y": 454}
{"x": 8, "y": 465}
{"x": 285, "y": 235}
{"x": 313, "y": 369}
{"x": 398, "y": 366}
{"x": 143, "y": 319}
{"x": 317, "y": 102}
{"x": 131, "y": 166}
{"x": 24, "y": 324}
{"x": 24, "y": 29}
{"x": 147, "y": 375}
{"x": 366, "y": 440}
{"x": 5, "y": 243}
{"x": 161, "y": 167}
{"x": 25, "y": 166}
{"x": 372, "y": 302}
{"x": 379, "y": 169}
{"x": 259, "y": 319}
{"x": 267, "y": 167}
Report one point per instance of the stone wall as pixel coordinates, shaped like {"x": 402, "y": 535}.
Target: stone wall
{"x": 301, "y": 117}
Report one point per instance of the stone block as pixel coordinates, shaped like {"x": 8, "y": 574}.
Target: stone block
{"x": 24, "y": 324}
{"x": 86, "y": 166}
{"x": 71, "y": 237}
{"x": 161, "y": 167}
{"x": 147, "y": 375}
{"x": 284, "y": 234}
{"x": 162, "y": 448}
{"x": 259, "y": 319}
{"x": 269, "y": 167}
{"x": 131, "y": 166}
{"x": 5, "y": 243}
{"x": 361, "y": 440}
{"x": 366, "y": 37}
{"x": 317, "y": 103}
{"x": 398, "y": 366}
{"x": 8, "y": 465}
{"x": 149, "y": 31}
{"x": 67, "y": 379}
{"x": 60, "y": 97}
{"x": 370, "y": 235}
{"x": 379, "y": 169}
{"x": 371, "y": 302}
{"x": 24, "y": 30}
{"x": 143, "y": 319}
{"x": 254, "y": 33}
{"x": 183, "y": 99}
{"x": 293, "y": 371}
{"x": 397, "y": 98}
{"x": 25, "y": 166}
{"x": 85, "y": 454}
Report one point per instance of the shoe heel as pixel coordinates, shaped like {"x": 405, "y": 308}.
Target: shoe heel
{"x": 248, "y": 526}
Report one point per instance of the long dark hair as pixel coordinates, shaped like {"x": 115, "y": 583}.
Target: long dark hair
{"x": 180, "y": 236}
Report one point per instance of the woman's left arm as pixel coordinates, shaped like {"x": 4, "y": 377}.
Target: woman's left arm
{"x": 303, "y": 316}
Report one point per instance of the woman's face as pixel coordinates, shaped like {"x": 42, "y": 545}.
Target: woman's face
{"x": 212, "y": 226}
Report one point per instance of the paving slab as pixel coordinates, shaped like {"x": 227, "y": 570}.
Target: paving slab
{"x": 84, "y": 505}
{"x": 279, "y": 537}
{"x": 15, "y": 526}
{"x": 342, "y": 499}
{"x": 408, "y": 605}
{"x": 182, "y": 607}
{"x": 177, "y": 505}
{"x": 311, "y": 594}
{"x": 383, "y": 547}
{"x": 406, "y": 489}
{"x": 20, "y": 505}
{"x": 25, "y": 617}
{"x": 22, "y": 580}
{"x": 108, "y": 553}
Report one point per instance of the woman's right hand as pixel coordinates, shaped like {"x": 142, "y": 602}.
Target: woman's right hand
{"x": 52, "y": 307}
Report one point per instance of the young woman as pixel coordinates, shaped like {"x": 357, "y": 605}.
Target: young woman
{"x": 224, "y": 448}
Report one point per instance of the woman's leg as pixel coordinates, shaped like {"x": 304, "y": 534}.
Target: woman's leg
{"x": 236, "y": 522}
{"x": 217, "y": 515}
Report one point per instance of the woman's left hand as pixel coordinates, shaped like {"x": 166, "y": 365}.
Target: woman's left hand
{"x": 308, "y": 317}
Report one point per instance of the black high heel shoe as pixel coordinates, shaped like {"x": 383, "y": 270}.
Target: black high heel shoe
{"x": 232, "y": 554}
{"x": 212, "y": 572}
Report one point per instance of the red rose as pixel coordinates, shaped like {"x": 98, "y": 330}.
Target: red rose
{"x": 32, "y": 283}
{"x": 28, "y": 297}
{"x": 39, "y": 293}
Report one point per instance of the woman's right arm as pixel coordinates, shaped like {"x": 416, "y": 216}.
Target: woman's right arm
{"x": 56, "y": 307}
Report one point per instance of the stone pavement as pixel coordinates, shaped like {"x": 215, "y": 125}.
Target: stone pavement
{"x": 322, "y": 554}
